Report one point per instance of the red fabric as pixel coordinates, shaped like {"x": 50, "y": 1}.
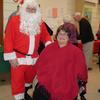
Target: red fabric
{"x": 21, "y": 75}
{"x": 80, "y": 45}
{"x": 58, "y": 70}
{"x": 96, "y": 46}
{"x": 20, "y": 1}
{"x": 98, "y": 35}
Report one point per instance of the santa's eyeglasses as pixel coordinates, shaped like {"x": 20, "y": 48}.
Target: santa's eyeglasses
{"x": 31, "y": 10}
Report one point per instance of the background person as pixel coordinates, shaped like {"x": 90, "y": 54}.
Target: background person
{"x": 86, "y": 36}
{"x": 69, "y": 24}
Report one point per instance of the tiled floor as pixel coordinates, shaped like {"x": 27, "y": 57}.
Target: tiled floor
{"x": 92, "y": 86}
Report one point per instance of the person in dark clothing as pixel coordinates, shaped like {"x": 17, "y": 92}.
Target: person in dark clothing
{"x": 86, "y": 36}
{"x": 41, "y": 47}
{"x": 85, "y": 27}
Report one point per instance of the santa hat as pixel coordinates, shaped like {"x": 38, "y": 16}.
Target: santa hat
{"x": 19, "y": 1}
{"x": 26, "y": 1}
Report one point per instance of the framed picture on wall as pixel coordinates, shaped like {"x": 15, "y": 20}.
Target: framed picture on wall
{"x": 54, "y": 12}
{"x": 88, "y": 13}
{"x": 92, "y": 1}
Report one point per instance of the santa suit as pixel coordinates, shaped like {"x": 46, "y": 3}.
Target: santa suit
{"x": 60, "y": 74}
{"x": 22, "y": 47}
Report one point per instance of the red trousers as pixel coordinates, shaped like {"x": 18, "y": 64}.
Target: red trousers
{"x": 19, "y": 76}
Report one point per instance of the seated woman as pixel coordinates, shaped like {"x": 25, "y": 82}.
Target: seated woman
{"x": 59, "y": 68}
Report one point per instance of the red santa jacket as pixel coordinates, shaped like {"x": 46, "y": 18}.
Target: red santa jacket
{"x": 26, "y": 44}
{"x": 59, "y": 69}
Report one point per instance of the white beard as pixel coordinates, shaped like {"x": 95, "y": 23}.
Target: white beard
{"x": 30, "y": 22}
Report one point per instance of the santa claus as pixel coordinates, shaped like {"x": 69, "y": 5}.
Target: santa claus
{"x": 23, "y": 34}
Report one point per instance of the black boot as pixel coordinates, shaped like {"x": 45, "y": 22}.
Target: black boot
{"x": 27, "y": 96}
{"x": 99, "y": 90}
{"x": 27, "y": 88}
{"x": 75, "y": 98}
{"x": 41, "y": 93}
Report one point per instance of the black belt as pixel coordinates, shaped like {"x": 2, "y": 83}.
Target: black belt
{"x": 21, "y": 52}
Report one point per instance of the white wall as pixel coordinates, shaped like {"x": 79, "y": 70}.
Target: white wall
{"x": 8, "y": 7}
{"x": 64, "y": 7}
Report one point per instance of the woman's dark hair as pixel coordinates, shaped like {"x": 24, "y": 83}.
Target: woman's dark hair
{"x": 61, "y": 27}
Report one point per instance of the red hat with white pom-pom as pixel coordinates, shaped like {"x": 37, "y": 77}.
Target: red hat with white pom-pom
{"x": 22, "y": 1}
{"x": 19, "y": 1}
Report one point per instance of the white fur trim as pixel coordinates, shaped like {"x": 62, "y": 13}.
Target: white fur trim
{"x": 27, "y": 61}
{"x": 28, "y": 84}
{"x": 19, "y": 96}
{"x": 9, "y": 56}
{"x": 47, "y": 43}
{"x": 31, "y": 44}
